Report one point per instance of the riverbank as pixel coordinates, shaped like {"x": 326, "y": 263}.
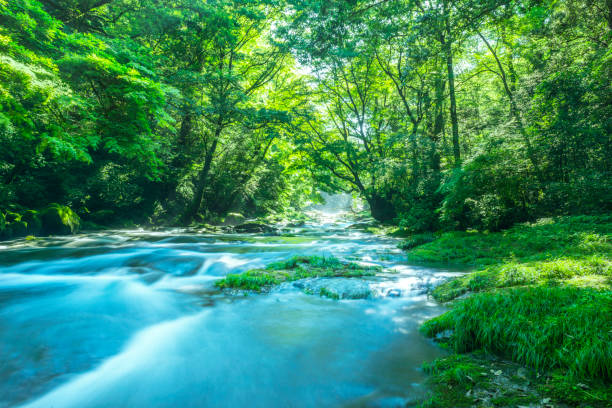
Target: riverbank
{"x": 539, "y": 299}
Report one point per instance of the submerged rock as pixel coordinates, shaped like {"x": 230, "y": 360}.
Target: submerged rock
{"x": 394, "y": 293}
{"x": 336, "y": 288}
{"x": 254, "y": 227}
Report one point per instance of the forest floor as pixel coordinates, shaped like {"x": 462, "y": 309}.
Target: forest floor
{"x": 531, "y": 326}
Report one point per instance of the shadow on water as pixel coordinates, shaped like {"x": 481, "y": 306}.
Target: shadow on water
{"x": 132, "y": 319}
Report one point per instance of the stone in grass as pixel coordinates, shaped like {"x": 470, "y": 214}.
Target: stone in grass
{"x": 336, "y": 288}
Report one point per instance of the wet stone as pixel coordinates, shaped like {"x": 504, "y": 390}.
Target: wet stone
{"x": 336, "y": 288}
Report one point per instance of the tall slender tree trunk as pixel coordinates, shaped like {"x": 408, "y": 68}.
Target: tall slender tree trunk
{"x": 438, "y": 126}
{"x": 446, "y": 41}
{"x": 448, "y": 47}
{"x": 514, "y": 111}
{"x": 202, "y": 178}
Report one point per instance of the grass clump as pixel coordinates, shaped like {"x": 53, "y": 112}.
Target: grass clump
{"x": 540, "y": 327}
{"x": 566, "y": 250}
{"x": 567, "y": 237}
{"x": 416, "y": 240}
{"x": 540, "y": 296}
{"x": 296, "y": 268}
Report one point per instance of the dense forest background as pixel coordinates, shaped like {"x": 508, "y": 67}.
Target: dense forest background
{"x": 439, "y": 114}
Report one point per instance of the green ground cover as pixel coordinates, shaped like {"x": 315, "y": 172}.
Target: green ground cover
{"x": 540, "y": 296}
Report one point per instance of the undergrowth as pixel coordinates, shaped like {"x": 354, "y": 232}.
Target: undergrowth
{"x": 540, "y": 295}
{"x": 540, "y": 327}
{"x": 573, "y": 251}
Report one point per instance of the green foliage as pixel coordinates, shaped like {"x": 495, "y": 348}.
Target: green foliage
{"x": 59, "y": 219}
{"x": 186, "y": 110}
{"x": 541, "y": 327}
{"x": 299, "y": 267}
{"x": 543, "y": 299}
{"x": 53, "y": 219}
{"x": 416, "y": 240}
{"x": 547, "y": 238}
{"x": 480, "y": 379}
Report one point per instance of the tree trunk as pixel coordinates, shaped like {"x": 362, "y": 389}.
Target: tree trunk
{"x": 514, "y": 111}
{"x": 183, "y": 141}
{"x": 451, "y": 90}
{"x": 202, "y": 178}
{"x": 438, "y": 123}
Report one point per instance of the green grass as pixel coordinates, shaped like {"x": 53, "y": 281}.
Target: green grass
{"x": 540, "y": 327}
{"x": 567, "y": 250}
{"x": 540, "y": 295}
{"x": 298, "y": 267}
{"x": 547, "y": 238}
{"x": 416, "y": 240}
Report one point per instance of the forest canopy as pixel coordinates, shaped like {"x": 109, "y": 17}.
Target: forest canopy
{"x": 439, "y": 114}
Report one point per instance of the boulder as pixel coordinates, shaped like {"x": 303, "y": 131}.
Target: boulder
{"x": 58, "y": 219}
{"x": 233, "y": 219}
{"x": 254, "y": 228}
{"x": 336, "y": 288}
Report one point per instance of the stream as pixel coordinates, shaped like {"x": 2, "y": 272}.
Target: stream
{"x": 132, "y": 319}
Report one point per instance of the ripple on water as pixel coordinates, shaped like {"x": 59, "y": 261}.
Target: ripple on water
{"x": 116, "y": 319}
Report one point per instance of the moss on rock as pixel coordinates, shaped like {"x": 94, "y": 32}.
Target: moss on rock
{"x": 299, "y": 267}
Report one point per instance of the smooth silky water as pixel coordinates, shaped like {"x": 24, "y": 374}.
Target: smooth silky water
{"x": 132, "y": 319}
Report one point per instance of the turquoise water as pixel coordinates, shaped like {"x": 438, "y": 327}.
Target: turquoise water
{"x": 132, "y": 319}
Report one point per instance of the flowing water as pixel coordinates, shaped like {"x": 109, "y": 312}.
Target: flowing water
{"x": 132, "y": 319}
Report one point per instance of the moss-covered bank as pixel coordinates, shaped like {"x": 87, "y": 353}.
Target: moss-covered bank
{"x": 540, "y": 296}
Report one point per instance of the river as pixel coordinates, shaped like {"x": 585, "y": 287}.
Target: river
{"x": 132, "y": 319}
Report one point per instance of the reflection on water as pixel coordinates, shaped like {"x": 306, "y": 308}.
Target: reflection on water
{"x": 132, "y": 319}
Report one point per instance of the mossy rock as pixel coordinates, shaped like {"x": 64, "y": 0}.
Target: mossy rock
{"x": 232, "y": 219}
{"x": 297, "y": 268}
{"x": 59, "y": 220}
{"x": 254, "y": 228}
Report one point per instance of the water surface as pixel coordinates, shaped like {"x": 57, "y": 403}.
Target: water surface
{"x": 132, "y": 319}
